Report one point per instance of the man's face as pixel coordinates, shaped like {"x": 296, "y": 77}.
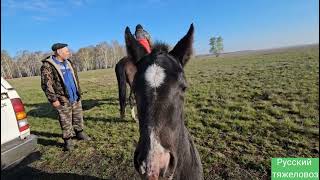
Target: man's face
{"x": 64, "y": 53}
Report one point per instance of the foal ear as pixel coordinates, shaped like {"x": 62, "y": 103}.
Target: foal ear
{"x": 183, "y": 49}
{"x": 134, "y": 49}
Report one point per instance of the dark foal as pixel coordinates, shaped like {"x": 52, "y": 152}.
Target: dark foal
{"x": 165, "y": 149}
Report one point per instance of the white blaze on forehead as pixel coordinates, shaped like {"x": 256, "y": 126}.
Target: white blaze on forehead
{"x": 155, "y": 75}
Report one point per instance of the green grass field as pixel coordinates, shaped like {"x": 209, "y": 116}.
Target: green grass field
{"x": 241, "y": 111}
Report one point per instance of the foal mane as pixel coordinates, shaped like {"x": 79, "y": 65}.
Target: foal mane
{"x": 160, "y": 47}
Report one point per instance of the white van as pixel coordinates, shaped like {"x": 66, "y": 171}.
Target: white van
{"x": 16, "y": 140}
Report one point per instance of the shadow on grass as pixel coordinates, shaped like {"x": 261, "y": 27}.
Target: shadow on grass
{"x": 36, "y": 155}
{"x": 43, "y": 138}
{"x": 35, "y": 174}
{"x": 49, "y": 142}
{"x": 46, "y": 110}
{"x": 46, "y": 134}
{"x": 23, "y": 171}
{"x": 109, "y": 119}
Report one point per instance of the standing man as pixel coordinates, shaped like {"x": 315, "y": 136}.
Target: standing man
{"x": 60, "y": 83}
{"x": 143, "y": 37}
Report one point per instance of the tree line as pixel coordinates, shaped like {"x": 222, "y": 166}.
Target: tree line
{"x": 25, "y": 63}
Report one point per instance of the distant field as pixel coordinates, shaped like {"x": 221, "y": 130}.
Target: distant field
{"x": 241, "y": 111}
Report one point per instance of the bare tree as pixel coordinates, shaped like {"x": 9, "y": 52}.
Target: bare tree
{"x": 84, "y": 55}
{"x": 101, "y": 55}
{"x": 7, "y": 66}
{"x": 118, "y": 52}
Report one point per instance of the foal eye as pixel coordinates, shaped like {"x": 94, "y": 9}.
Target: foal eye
{"x": 182, "y": 83}
{"x": 183, "y": 87}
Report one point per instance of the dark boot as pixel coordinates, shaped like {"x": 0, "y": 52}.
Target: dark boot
{"x": 68, "y": 145}
{"x": 82, "y": 136}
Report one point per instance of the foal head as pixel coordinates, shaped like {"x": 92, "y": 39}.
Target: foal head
{"x": 159, "y": 86}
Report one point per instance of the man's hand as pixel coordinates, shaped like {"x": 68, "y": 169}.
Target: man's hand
{"x": 56, "y": 104}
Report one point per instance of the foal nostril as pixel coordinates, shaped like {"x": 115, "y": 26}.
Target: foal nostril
{"x": 168, "y": 171}
{"x": 137, "y": 161}
{"x": 171, "y": 161}
{"x": 139, "y": 164}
